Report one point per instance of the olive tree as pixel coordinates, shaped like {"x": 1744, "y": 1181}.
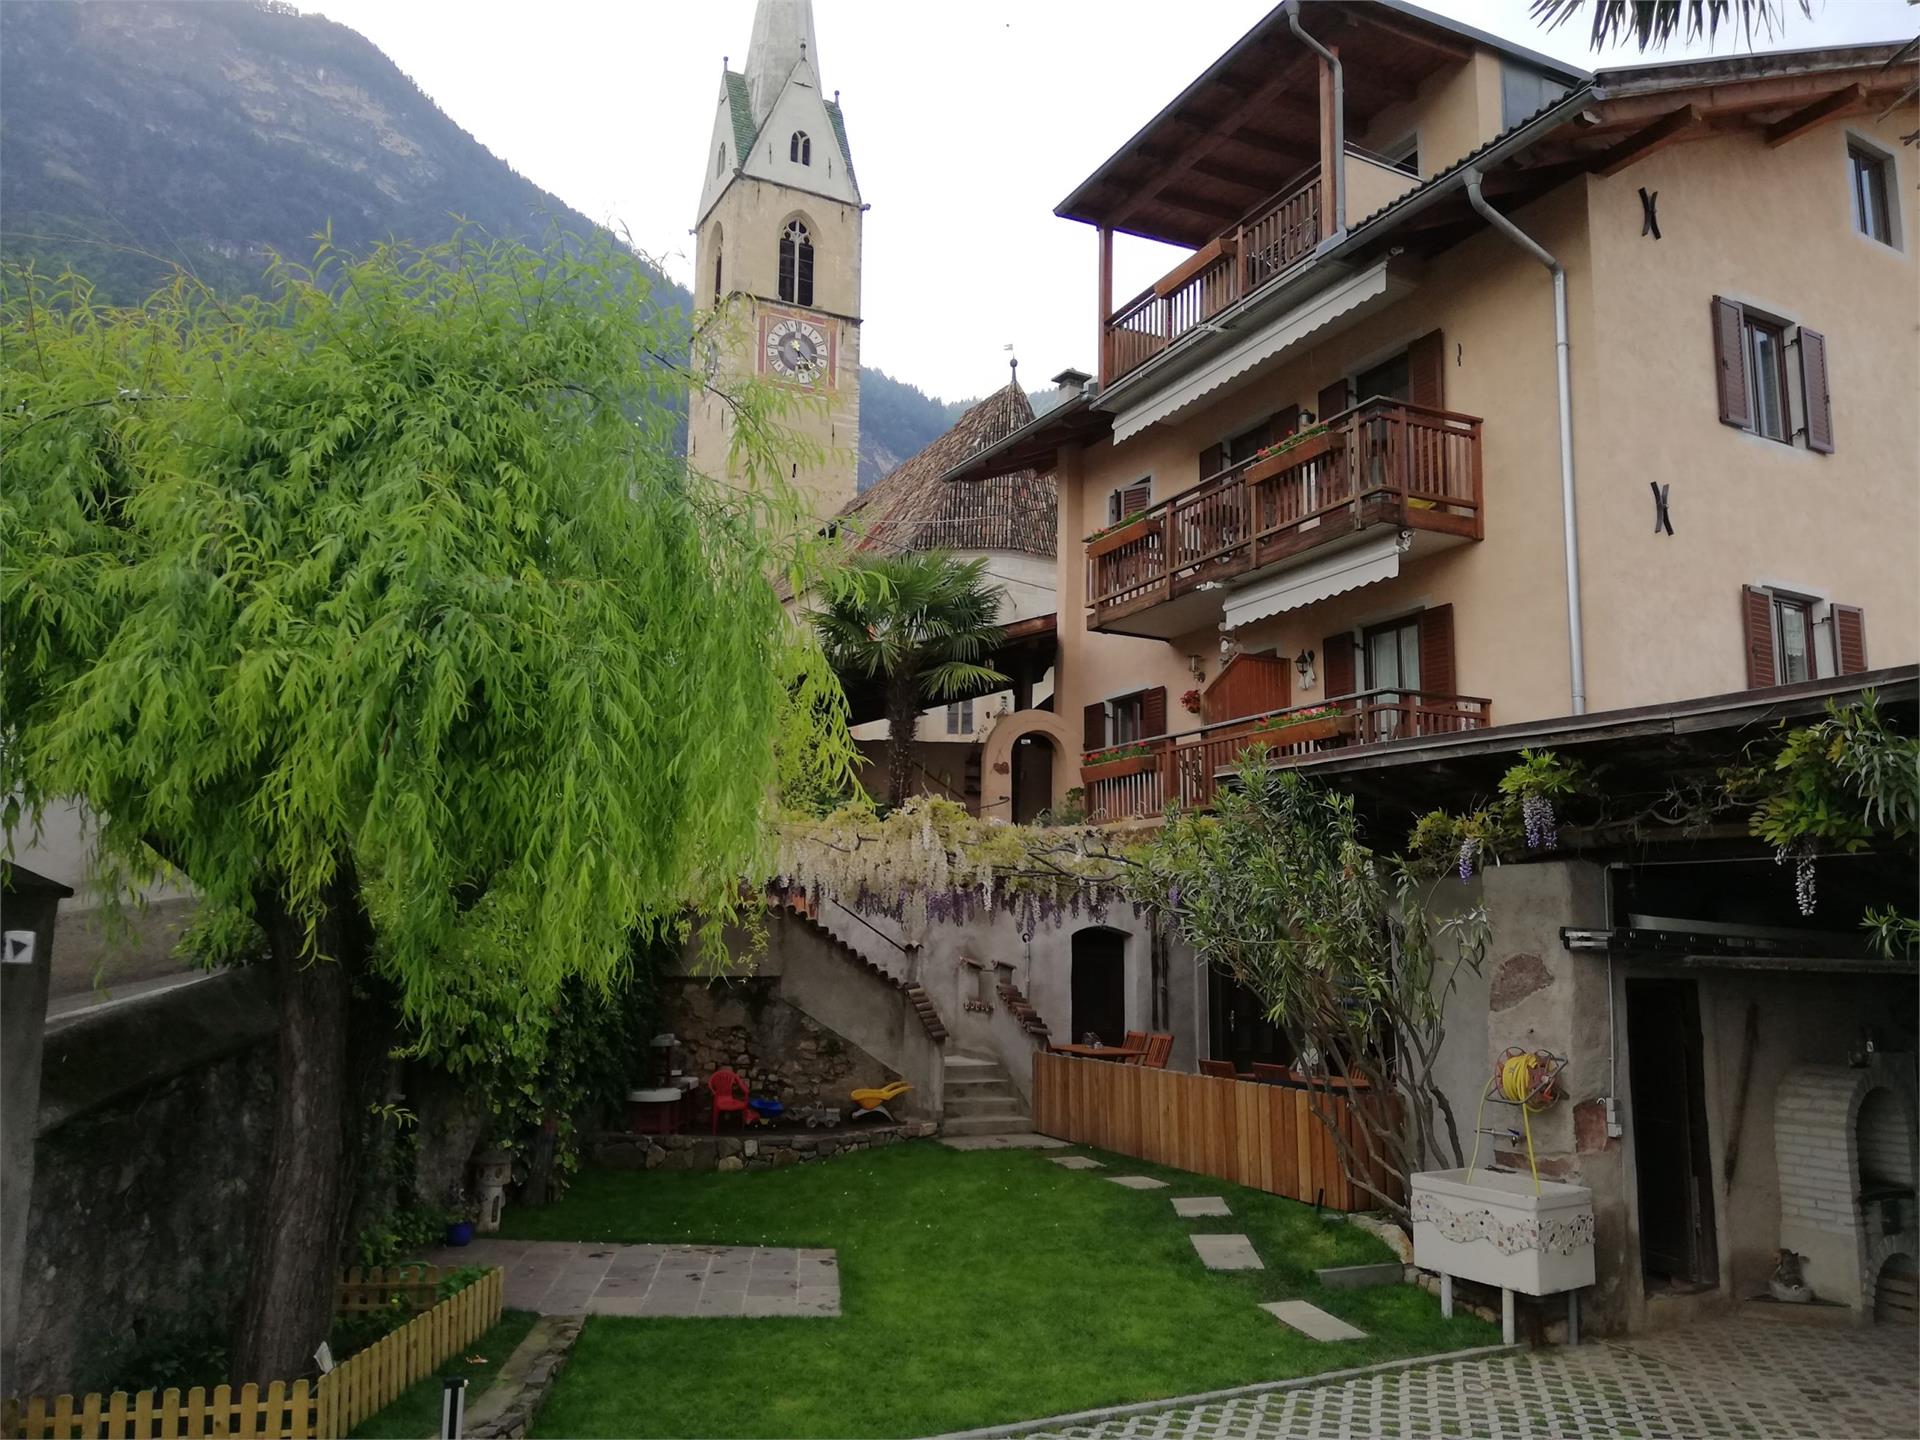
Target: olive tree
{"x": 1276, "y": 890}
{"x": 383, "y": 609}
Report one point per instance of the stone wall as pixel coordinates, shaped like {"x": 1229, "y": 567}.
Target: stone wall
{"x": 771, "y": 1150}
{"x": 137, "y": 1239}
{"x": 747, "y": 1025}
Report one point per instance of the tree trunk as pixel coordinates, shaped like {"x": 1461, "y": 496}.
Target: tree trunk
{"x": 288, "y": 1306}
{"x": 903, "y": 719}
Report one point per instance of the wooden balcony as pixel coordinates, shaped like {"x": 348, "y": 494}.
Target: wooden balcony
{"x": 1383, "y": 463}
{"x": 1151, "y": 777}
{"x": 1270, "y": 241}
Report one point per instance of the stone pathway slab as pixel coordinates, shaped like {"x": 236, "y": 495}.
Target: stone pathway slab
{"x": 1227, "y": 1252}
{"x": 1077, "y": 1162}
{"x": 1137, "y": 1182}
{"x": 1312, "y": 1321}
{"x": 668, "y": 1281}
{"x": 1022, "y": 1140}
{"x": 1742, "y": 1378}
{"x": 1188, "y": 1207}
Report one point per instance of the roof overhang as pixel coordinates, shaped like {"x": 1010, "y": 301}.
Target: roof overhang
{"x": 1035, "y": 445}
{"x": 1252, "y": 119}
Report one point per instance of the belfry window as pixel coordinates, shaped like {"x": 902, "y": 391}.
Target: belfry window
{"x": 720, "y": 161}
{"x": 796, "y": 264}
{"x": 800, "y": 148}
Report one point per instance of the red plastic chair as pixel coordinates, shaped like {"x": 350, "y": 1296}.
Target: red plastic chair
{"x": 729, "y": 1093}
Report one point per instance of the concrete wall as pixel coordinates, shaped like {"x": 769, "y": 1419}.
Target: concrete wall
{"x": 30, "y": 903}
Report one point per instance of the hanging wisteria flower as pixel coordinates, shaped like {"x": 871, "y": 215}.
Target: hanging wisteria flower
{"x": 1469, "y": 857}
{"x": 1536, "y": 814}
{"x": 1803, "y": 891}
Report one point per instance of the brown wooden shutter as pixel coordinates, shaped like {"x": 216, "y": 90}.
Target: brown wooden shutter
{"x": 1135, "y": 498}
{"x": 1093, "y": 726}
{"x": 1248, "y": 685}
{"x": 1436, "y": 650}
{"x": 1813, "y": 389}
{"x": 1850, "y": 638}
{"x": 1756, "y": 619}
{"x": 1730, "y": 362}
{"x": 1427, "y": 371}
{"x": 1153, "y": 711}
{"x": 1213, "y": 460}
{"x": 1335, "y": 398}
{"x": 1336, "y": 665}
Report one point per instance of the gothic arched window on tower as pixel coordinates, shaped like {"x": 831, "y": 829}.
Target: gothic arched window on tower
{"x": 796, "y": 264}
{"x": 719, "y": 248}
{"x": 720, "y": 161}
{"x": 800, "y": 148}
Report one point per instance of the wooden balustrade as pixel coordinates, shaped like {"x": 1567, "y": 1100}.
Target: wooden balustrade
{"x": 1183, "y": 770}
{"x": 1272, "y": 241}
{"x": 1383, "y": 462}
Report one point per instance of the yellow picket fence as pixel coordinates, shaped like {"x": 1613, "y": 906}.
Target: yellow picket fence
{"x": 325, "y": 1409}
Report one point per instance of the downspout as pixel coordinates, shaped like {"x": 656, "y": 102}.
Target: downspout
{"x": 1570, "y": 525}
{"x": 1339, "y": 119}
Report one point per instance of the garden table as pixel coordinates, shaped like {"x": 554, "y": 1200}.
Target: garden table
{"x": 1102, "y": 1052}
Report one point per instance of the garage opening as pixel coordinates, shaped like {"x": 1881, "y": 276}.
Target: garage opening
{"x": 1678, "y": 1247}
{"x": 1100, "y": 985}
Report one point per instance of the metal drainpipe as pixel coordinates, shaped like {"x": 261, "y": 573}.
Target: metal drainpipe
{"x": 1570, "y": 525}
{"x": 1339, "y": 119}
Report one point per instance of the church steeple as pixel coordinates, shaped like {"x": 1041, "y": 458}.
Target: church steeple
{"x": 782, "y": 38}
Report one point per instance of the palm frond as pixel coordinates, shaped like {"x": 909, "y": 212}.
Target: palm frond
{"x": 1653, "y": 24}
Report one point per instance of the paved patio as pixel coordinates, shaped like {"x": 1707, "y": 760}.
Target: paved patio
{"x": 698, "y": 1281}
{"x": 1745, "y": 1379}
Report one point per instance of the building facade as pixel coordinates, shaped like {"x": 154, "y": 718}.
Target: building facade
{"x": 1325, "y": 464}
{"x": 777, "y": 258}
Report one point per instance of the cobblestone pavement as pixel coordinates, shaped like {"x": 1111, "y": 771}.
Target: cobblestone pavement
{"x": 566, "y": 1278}
{"x": 1740, "y": 1379}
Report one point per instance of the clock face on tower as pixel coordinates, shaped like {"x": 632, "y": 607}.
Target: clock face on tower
{"x": 796, "y": 350}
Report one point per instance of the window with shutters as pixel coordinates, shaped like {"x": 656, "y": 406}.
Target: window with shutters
{"x": 796, "y": 264}
{"x": 1756, "y": 381}
{"x": 1125, "y": 715}
{"x": 1867, "y": 172}
{"x": 1129, "y": 500}
{"x": 1792, "y": 639}
{"x": 1392, "y": 656}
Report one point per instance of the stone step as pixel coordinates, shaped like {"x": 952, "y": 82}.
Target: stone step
{"x": 993, "y": 1104}
{"x": 972, "y": 1064}
{"x": 985, "y": 1125}
{"x": 1001, "y": 1084}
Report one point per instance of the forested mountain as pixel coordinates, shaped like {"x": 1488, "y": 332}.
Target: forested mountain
{"x": 216, "y": 135}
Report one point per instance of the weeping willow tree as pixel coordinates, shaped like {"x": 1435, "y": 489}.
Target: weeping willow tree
{"x": 382, "y": 609}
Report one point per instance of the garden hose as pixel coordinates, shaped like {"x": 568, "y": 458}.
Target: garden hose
{"x": 1514, "y": 1083}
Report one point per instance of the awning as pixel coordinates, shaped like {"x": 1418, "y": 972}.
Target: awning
{"x": 1342, "y": 303}
{"x": 1377, "y": 558}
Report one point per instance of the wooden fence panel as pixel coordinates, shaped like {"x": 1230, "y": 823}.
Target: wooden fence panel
{"x": 1266, "y": 1137}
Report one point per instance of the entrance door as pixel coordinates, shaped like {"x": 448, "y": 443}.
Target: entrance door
{"x": 1678, "y": 1246}
{"x": 1238, "y": 1028}
{"x": 1393, "y": 665}
{"x": 1100, "y": 985}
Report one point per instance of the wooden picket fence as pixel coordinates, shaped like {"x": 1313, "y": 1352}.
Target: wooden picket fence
{"x": 1266, "y": 1137}
{"x": 325, "y": 1409}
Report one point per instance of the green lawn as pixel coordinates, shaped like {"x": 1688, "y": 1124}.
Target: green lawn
{"x": 976, "y": 1288}
{"x": 417, "y": 1412}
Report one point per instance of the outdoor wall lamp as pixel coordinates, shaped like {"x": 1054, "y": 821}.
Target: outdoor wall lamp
{"x": 1303, "y": 662}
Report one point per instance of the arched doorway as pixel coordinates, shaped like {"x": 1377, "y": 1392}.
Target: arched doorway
{"x": 1100, "y": 985}
{"x": 1014, "y": 786}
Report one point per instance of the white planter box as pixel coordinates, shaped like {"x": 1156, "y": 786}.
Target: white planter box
{"x": 1494, "y": 1229}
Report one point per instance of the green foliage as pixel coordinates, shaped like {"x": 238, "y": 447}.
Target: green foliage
{"x": 1652, "y": 24}
{"x": 1276, "y": 889}
{"x": 395, "y": 576}
{"x": 1840, "y": 784}
{"x": 403, "y": 1233}
{"x": 1522, "y": 819}
{"x": 1072, "y": 810}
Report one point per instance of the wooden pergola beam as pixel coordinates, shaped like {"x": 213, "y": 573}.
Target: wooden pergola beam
{"x": 1670, "y": 127}
{"x": 1812, "y": 117}
{"x": 1407, "y": 34}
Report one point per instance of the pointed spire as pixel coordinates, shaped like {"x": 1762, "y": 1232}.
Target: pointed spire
{"x": 782, "y": 39}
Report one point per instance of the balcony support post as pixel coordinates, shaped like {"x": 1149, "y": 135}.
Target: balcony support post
{"x": 1333, "y": 127}
{"x": 1106, "y": 300}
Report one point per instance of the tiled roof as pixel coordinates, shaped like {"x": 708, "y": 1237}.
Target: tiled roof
{"x": 914, "y": 509}
{"x": 840, "y": 134}
{"x": 741, "y": 104}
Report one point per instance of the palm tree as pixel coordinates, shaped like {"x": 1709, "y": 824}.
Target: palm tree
{"x": 1652, "y": 23}
{"x": 921, "y": 622}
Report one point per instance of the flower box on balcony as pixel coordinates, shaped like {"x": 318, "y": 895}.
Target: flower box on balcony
{"x": 1106, "y": 541}
{"x": 1287, "y": 457}
{"x": 1304, "y": 732}
{"x": 1117, "y": 769}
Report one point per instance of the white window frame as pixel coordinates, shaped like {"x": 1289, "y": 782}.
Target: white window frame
{"x": 1823, "y": 644}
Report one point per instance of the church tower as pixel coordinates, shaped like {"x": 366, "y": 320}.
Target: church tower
{"x": 777, "y": 255}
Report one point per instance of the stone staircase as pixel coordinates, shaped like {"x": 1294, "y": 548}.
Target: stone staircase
{"x": 981, "y": 1100}
{"x": 1022, "y": 1011}
{"x": 863, "y": 954}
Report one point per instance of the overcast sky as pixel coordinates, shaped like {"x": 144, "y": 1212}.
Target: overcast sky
{"x": 968, "y": 124}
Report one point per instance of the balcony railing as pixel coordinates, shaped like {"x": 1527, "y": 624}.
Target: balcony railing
{"x": 1151, "y": 777}
{"x": 1272, "y": 240}
{"x": 1383, "y": 462}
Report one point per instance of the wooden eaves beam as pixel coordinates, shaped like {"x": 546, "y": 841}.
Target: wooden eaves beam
{"x": 1812, "y": 117}
{"x": 1670, "y": 127}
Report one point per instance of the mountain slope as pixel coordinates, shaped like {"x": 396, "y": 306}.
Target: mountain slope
{"x": 134, "y": 135}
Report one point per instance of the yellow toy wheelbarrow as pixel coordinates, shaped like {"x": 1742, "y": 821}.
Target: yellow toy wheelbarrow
{"x": 874, "y": 1102}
